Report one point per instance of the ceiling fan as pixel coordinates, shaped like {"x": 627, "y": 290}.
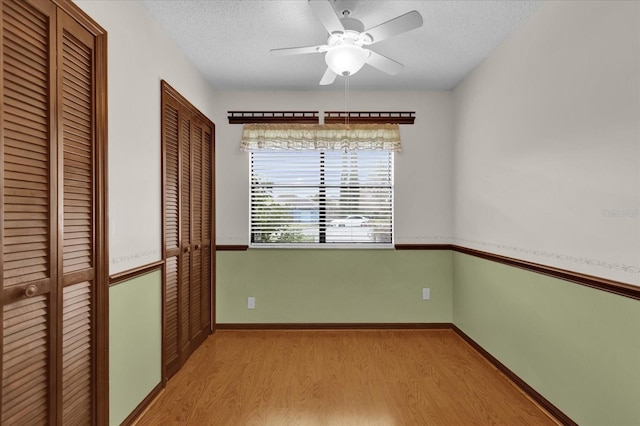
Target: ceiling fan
{"x": 345, "y": 51}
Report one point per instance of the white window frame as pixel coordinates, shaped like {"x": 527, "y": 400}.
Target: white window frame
{"x": 325, "y": 245}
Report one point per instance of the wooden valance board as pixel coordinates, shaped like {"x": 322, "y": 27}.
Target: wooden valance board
{"x": 241, "y": 117}
{"x": 386, "y": 117}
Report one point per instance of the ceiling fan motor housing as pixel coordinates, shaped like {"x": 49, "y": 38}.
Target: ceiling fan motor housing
{"x": 348, "y": 37}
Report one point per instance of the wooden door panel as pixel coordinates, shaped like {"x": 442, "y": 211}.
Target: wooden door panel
{"x": 25, "y": 361}
{"x": 196, "y": 182}
{"x": 207, "y": 261}
{"x": 26, "y": 161}
{"x": 77, "y": 359}
{"x": 205, "y": 303}
{"x": 185, "y": 228}
{"x": 171, "y": 145}
{"x": 27, "y": 213}
{"x": 78, "y": 182}
{"x": 172, "y": 201}
{"x": 77, "y": 202}
{"x": 183, "y": 297}
{"x": 196, "y": 231}
{"x": 171, "y": 344}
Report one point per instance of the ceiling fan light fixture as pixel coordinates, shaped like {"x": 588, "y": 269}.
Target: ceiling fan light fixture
{"x": 346, "y": 59}
{"x": 345, "y": 54}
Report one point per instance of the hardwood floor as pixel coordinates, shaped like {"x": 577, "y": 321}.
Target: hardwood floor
{"x": 359, "y": 377}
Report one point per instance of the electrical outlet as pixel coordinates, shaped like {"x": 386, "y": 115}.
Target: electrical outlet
{"x": 251, "y": 303}
{"x": 426, "y": 293}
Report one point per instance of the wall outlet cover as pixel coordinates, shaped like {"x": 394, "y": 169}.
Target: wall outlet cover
{"x": 251, "y": 303}
{"x": 426, "y": 293}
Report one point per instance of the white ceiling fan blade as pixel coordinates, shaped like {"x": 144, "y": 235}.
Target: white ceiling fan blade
{"x": 327, "y": 15}
{"x": 328, "y": 78}
{"x": 298, "y": 50}
{"x": 399, "y": 25}
{"x": 383, "y": 63}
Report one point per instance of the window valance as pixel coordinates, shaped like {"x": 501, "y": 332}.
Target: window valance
{"x": 260, "y": 137}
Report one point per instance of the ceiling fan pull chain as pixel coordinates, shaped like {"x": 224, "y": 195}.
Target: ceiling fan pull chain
{"x": 346, "y": 109}
{"x": 346, "y": 100}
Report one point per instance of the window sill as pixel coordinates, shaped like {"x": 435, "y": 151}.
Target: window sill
{"x": 330, "y": 246}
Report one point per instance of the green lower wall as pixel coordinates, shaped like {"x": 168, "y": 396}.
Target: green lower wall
{"x": 579, "y": 347}
{"x": 135, "y": 349}
{"x": 327, "y": 286}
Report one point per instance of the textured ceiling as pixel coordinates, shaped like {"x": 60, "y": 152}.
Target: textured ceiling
{"x": 229, "y": 41}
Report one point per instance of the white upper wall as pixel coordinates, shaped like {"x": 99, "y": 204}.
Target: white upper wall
{"x": 423, "y": 170}
{"x": 140, "y": 55}
{"x": 547, "y": 153}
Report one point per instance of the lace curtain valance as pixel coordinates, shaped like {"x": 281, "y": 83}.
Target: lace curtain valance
{"x": 260, "y": 137}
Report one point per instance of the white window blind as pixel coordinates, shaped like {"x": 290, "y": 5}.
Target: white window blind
{"x": 321, "y": 198}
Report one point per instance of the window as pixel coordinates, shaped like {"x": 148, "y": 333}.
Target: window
{"x": 321, "y": 198}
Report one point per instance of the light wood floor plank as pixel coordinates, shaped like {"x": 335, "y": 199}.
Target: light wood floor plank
{"x": 359, "y": 377}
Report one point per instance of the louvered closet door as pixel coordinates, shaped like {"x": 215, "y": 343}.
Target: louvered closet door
{"x": 48, "y": 217}
{"x": 188, "y": 223}
{"x": 171, "y": 144}
{"x": 28, "y": 212}
{"x": 77, "y": 202}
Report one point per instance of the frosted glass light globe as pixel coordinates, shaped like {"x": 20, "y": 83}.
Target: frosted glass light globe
{"x": 346, "y": 59}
